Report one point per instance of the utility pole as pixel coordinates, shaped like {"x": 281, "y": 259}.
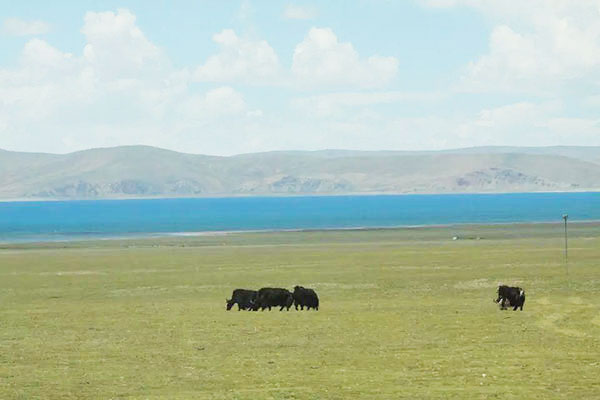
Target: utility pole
{"x": 565, "y": 217}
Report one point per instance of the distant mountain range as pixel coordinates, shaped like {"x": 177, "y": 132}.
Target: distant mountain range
{"x": 142, "y": 171}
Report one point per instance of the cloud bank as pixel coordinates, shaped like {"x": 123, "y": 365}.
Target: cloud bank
{"x": 248, "y": 95}
{"x": 18, "y": 27}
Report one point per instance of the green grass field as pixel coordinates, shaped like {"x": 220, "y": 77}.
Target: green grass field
{"x": 405, "y": 313}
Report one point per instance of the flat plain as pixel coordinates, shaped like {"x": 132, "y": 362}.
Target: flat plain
{"x": 405, "y": 313}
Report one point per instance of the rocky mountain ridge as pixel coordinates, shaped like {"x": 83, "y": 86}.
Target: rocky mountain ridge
{"x": 142, "y": 171}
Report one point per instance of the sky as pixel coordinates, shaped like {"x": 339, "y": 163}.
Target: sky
{"x": 231, "y": 77}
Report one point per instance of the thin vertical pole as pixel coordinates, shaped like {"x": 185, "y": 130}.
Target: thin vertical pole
{"x": 566, "y": 244}
{"x": 565, "y": 217}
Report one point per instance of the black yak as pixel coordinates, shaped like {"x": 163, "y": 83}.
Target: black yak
{"x": 273, "y": 297}
{"x": 305, "y": 297}
{"x": 244, "y": 298}
{"x": 511, "y": 296}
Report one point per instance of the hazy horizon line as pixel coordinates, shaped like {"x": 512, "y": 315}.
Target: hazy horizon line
{"x": 450, "y": 149}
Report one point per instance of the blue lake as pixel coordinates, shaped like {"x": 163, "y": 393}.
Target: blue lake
{"x": 67, "y": 220}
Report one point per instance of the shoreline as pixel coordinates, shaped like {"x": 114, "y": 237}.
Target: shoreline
{"x": 285, "y": 195}
{"x": 91, "y": 237}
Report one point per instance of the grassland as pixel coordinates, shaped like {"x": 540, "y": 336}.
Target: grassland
{"x": 405, "y": 313}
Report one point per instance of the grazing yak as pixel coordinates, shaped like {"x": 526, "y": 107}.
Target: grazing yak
{"x": 305, "y": 297}
{"x": 273, "y": 297}
{"x": 244, "y": 298}
{"x": 511, "y": 296}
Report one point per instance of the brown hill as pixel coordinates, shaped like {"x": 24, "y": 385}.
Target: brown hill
{"x": 141, "y": 171}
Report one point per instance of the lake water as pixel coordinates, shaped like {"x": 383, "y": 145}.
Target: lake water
{"x": 68, "y": 220}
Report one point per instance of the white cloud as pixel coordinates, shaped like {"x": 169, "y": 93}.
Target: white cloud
{"x": 517, "y": 124}
{"x": 240, "y": 59}
{"x": 116, "y": 47}
{"x": 549, "y": 48}
{"x": 44, "y": 78}
{"x": 512, "y": 57}
{"x": 39, "y": 54}
{"x": 219, "y": 102}
{"x": 535, "y": 62}
{"x": 536, "y": 45}
{"x": 120, "y": 89}
{"x": 505, "y": 123}
{"x": 321, "y": 60}
{"x": 332, "y": 104}
{"x": 293, "y": 11}
{"x": 528, "y": 124}
{"x": 318, "y": 60}
{"x": 18, "y": 27}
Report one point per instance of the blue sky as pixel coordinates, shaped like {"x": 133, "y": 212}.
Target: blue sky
{"x": 244, "y": 76}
